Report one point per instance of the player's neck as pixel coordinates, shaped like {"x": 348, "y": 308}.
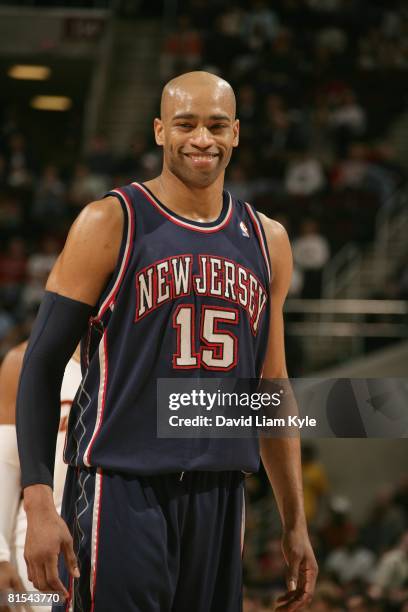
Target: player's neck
{"x": 199, "y": 204}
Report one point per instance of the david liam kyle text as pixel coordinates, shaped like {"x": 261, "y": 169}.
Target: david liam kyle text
{"x": 242, "y": 421}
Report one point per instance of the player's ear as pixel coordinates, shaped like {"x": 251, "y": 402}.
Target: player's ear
{"x": 235, "y": 129}
{"x": 159, "y": 132}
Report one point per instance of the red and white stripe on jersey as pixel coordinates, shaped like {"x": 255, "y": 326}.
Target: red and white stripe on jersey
{"x": 259, "y": 232}
{"x": 126, "y": 255}
{"x": 96, "y": 521}
{"x": 103, "y": 379}
{"x": 184, "y": 223}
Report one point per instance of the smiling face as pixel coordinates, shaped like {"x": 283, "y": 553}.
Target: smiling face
{"x": 197, "y": 128}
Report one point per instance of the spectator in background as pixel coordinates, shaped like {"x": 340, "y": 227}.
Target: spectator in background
{"x": 248, "y": 112}
{"x": 13, "y": 270}
{"x": 350, "y": 172}
{"x": 150, "y": 165}
{"x": 9, "y": 124}
{"x": 11, "y": 214}
{"x": 238, "y": 183}
{"x": 385, "y": 46}
{"x": 99, "y": 158}
{"x": 278, "y": 136}
{"x": 261, "y": 25}
{"x": 324, "y": 6}
{"x": 328, "y": 598}
{"x": 272, "y": 567}
{"x": 285, "y": 62}
{"x": 339, "y": 527}
{"x": 19, "y": 163}
{"x": 297, "y": 282}
{"x": 390, "y": 577}
{"x": 6, "y": 323}
{"x": 225, "y": 48}
{"x": 39, "y": 267}
{"x": 182, "y": 49}
{"x": 347, "y": 120}
{"x": 356, "y": 171}
{"x": 315, "y": 483}
{"x": 3, "y": 171}
{"x": 351, "y": 562}
{"x": 319, "y": 137}
{"x": 129, "y": 165}
{"x": 49, "y": 197}
{"x": 311, "y": 252}
{"x": 333, "y": 39}
{"x": 85, "y": 186}
{"x": 386, "y": 522}
{"x": 304, "y": 175}
{"x": 360, "y": 602}
{"x": 401, "y": 495}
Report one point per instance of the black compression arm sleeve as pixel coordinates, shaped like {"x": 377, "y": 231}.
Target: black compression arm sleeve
{"x": 57, "y": 330}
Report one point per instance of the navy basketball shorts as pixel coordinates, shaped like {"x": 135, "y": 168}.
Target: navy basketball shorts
{"x": 162, "y": 543}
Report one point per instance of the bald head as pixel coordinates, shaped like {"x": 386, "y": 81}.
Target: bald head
{"x": 197, "y": 128}
{"x": 197, "y": 84}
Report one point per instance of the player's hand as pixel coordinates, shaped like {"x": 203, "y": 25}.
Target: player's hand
{"x": 9, "y": 580}
{"x": 301, "y": 571}
{"x": 47, "y": 536}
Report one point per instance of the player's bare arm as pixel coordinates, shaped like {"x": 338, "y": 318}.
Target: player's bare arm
{"x": 9, "y": 374}
{"x": 90, "y": 253}
{"x": 281, "y": 456}
{"x": 80, "y": 274}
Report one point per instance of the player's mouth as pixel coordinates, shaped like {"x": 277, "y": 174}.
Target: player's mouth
{"x": 201, "y": 159}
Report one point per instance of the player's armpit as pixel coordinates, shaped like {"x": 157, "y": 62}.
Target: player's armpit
{"x": 90, "y": 253}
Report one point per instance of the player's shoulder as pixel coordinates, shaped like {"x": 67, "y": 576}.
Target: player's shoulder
{"x": 103, "y": 213}
{"x": 273, "y": 229}
{"x": 100, "y": 222}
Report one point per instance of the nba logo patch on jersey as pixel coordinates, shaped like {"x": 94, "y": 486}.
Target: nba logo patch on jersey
{"x": 244, "y": 229}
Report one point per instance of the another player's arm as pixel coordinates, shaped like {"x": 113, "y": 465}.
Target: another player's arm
{"x": 9, "y": 465}
{"x": 281, "y": 456}
{"x": 74, "y": 286}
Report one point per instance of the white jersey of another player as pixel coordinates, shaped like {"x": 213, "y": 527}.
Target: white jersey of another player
{"x": 14, "y": 539}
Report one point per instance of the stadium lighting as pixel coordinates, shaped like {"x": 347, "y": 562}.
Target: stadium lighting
{"x": 51, "y": 103}
{"x": 29, "y": 72}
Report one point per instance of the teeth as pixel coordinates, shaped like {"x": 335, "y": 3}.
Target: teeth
{"x": 200, "y": 157}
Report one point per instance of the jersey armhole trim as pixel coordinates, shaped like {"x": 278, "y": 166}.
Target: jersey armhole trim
{"x": 127, "y": 241}
{"x": 261, "y": 237}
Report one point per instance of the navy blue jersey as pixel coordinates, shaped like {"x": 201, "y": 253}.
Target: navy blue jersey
{"x": 187, "y": 299}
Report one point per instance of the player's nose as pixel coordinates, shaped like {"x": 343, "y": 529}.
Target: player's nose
{"x": 202, "y": 138}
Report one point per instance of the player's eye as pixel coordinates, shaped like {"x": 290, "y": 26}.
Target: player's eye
{"x": 218, "y": 126}
{"x": 186, "y": 126}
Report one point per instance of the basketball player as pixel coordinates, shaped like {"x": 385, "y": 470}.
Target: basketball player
{"x": 13, "y": 520}
{"x": 171, "y": 278}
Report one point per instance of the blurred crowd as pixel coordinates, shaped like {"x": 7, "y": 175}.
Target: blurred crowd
{"x": 315, "y": 147}
{"x": 319, "y": 85}
{"x": 37, "y": 206}
{"x": 362, "y": 567}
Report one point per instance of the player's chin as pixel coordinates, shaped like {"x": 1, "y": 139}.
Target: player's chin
{"x": 203, "y": 176}
{"x": 204, "y": 179}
